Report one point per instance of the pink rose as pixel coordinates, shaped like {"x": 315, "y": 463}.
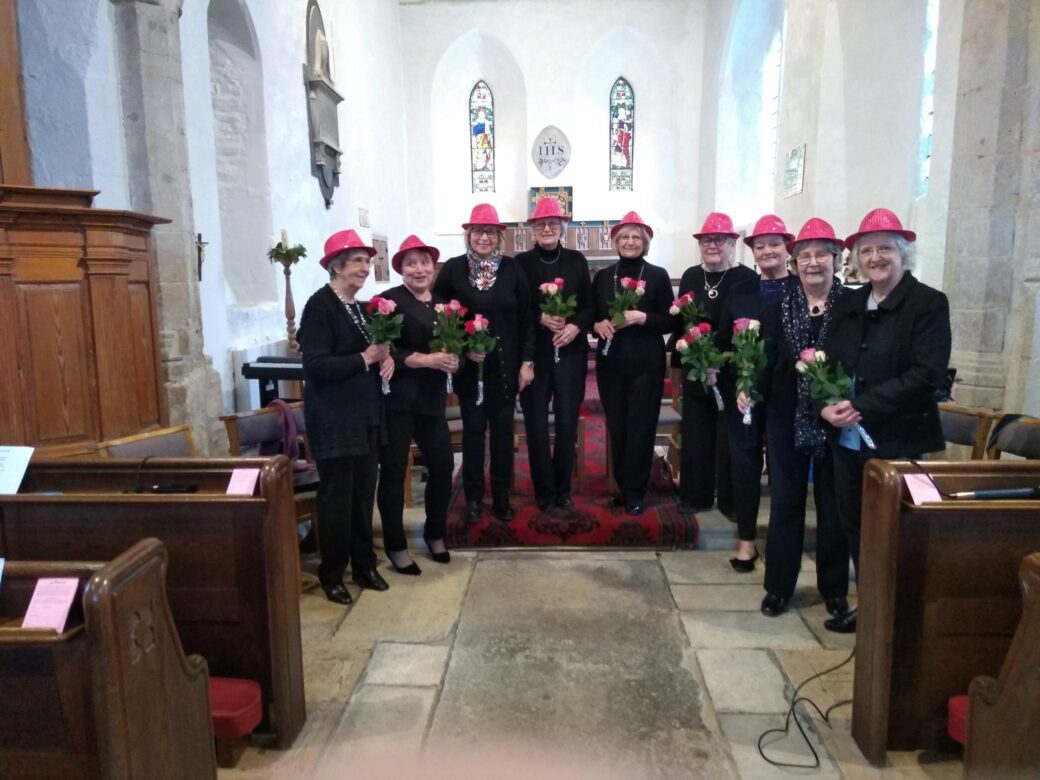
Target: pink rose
{"x": 693, "y": 334}
{"x": 481, "y": 322}
{"x": 470, "y": 328}
{"x": 704, "y": 328}
{"x": 386, "y": 306}
{"x": 740, "y": 324}
{"x": 558, "y": 281}
{"x": 807, "y": 356}
{"x": 682, "y": 345}
{"x": 673, "y": 309}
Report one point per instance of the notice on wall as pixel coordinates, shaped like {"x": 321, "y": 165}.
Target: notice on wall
{"x": 51, "y": 602}
{"x": 13, "y": 463}
{"x": 794, "y": 171}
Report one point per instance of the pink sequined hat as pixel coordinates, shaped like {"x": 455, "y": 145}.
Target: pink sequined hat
{"x": 483, "y": 214}
{"x": 410, "y": 243}
{"x": 769, "y": 225}
{"x": 547, "y": 208}
{"x": 341, "y": 242}
{"x": 631, "y": 218}
{"x": 815, "y": 229}
{"x": 877, "y": 221}
{"x": 717, "y": 224}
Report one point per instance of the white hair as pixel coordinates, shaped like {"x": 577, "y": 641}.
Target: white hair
{"x": 642, "y": 232}
{"x": 907, "y": 250}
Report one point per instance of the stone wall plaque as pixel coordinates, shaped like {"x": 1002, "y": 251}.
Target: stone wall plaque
{"x": 551, "y": 152}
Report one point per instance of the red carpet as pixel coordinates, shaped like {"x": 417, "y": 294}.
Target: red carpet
{"x": 592, "y": 523}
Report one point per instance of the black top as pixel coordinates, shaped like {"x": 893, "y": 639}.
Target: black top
{"x": 637, "y": 348}
{"x": 341, "y": 395}
{"x": 724, "y": 281}
{"x": 507, "y": 306}
{"x": 744, "y": 299}
{"x": 570, "y": 265}
{"x": 898, "y": 354}
{"x": 415, "y": 390}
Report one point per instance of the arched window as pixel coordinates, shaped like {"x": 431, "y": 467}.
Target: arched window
{"x": 622, "y": 134}
{"x": 924, "y": 150}
{"x": 482, "y": 137}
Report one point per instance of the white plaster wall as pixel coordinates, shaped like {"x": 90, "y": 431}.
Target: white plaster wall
{"x": 73, "y": 113}
{"x": 566, "y": 58}
{"x": 365, "y": 56}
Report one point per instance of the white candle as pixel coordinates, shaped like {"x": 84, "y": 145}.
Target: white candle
{"x": 285, "y": 238}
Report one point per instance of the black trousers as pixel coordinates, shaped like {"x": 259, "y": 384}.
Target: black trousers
{"x": 494, "y": 414}
{"x": 745, "y": 459}
{"x": 705, "y": 454}
{"x": 430, "y": 433}
{"x": 345, "y": 495}
{"x": 788, "y": 486}
{"x": 632, "y": 406}
{"x": 563, "y": 384}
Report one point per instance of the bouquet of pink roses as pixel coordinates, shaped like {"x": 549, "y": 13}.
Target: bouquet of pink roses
{"x": 692, "y": 312}
{"x": 448, "y": 331}
{"x": 383, "y": 325}
{"x": 625, "y": 299}
{"x": 556, "y": 304}
{"x": 478, "y": 339}
{"x": 828, "y": 383}
{"x": 749, "y": 358}
{"x": 698, "y": 351}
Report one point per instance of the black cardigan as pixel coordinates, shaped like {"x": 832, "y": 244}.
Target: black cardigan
{"x": 341, "y": 397}
{"x": 573, "y": 268}
{"x": 415, "y": 390}
{"x": 507, "y": 306}
{"x": 898, "y": 355}
{"x": 637, "y": 348}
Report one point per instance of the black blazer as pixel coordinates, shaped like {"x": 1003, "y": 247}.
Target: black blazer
{"x": 415, "y": 390}
{"x": 507, "y": 305}
{"x": 573, "y": 268}
{"x": 898, "y": 355}
{"x": 341, "y": 396}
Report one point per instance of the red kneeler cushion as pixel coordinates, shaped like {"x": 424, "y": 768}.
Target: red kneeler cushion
{"x": 236, "y": 706}
{"x": 957, "y": 718}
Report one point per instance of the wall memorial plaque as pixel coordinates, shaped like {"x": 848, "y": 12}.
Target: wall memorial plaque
{"x": 551, "y": 152}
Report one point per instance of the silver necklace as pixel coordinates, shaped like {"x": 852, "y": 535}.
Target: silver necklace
{"x": 553, "y": 261}
{"x": 638, "y": 278}
{"x": 354, "y": 312}
{"x": 713, "y": 289}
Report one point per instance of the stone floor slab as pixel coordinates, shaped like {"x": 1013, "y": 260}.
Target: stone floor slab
{"x": 814, "y": 617}
{"x": 706, "y": 568}
{"x": 395, "y": 663}
{"x": 727, "y": 598}
{"x": 743, "y": 732}
{"x": 744, "y": 629}
{"x": 743, "y": 681}
{"x": 827, "y": 690}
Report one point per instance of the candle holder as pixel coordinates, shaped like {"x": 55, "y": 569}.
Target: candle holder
{"x": 288, "y": 257}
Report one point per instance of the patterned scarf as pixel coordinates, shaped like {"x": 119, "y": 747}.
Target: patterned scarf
{"x": 483, "y": 272}
{"x": 809, "y": 434}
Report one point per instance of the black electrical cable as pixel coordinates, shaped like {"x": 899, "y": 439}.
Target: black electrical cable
{"x": 924, "y": 471}
{"x": 795, "y": 701}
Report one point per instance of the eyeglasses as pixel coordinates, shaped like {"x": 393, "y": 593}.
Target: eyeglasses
{"x": 804, "y": 258}
{"x": 551, "y": 226}
{"x": 716, "y": 240}
{"x": 483, "y": 231}
{"x": 883, "y": 251}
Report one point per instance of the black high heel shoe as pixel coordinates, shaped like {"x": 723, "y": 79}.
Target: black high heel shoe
{"x": 412, "y": 569}
{"x": 438, "y": 557}
{"x": 739, "y": 564}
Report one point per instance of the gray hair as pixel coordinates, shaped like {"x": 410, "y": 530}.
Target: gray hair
{"x": 339, "y": 260}
{"x": 501, "y": 237}
{"x": 642, "y": 232}
{"x": 907, "y": 250}
{"x": 832, "y": 246}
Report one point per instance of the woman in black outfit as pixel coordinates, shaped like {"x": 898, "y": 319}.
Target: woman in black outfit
{"x": 415, "y": 410}
{"x": 492, "y": 284}
{"x": 344, "y": 413}
{"x": 561, "y": 383}
{"x": 705, "y": 457}
{"x": 893, "y": 337}
{"x": 797, "y": 440}
{"x": 768, "y": 243}
{"x": 631, "y": 375}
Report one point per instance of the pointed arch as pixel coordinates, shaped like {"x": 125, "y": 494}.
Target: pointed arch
{"x": 622, "y": 134}
{"x": 482, "y": 137}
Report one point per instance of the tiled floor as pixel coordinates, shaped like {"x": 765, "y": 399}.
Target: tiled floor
{"x": 571, "y": 664}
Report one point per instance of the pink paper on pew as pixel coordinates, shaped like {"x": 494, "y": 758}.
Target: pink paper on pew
{"x": 243, "y": 482}
{"x": 51, "y": 602}
{"x": 922, "y": 491}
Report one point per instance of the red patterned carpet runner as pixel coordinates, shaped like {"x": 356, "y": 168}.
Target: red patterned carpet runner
{"x": 592, "y": 523}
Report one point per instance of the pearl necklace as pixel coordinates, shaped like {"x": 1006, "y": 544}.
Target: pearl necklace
{"x": 713, "y": 289}
{"x": 357, "y": 316}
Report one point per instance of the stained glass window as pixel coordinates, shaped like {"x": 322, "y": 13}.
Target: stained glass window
{"x": 924, "y": 152}
{"x": 482, "y": 137}
{"x": 622, "y": 134}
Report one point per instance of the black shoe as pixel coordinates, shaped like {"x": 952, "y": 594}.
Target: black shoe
{"x": 371, "y": 579}
{"x": 773, "y": 605}
{"x": 438, "y": 557}
{"x": 566, "y": 503}
{"x": 842, "y": 624}
{"x": 635, "y": 509}
{"x": 338, "y": 593}
{"x": 617, "y": 501}
{"x": 503, "y": 512}
{"x": 739, "y": 564}
{"x": 837, "y": 605}
{"x": 412, "y": 569}
{"x": 473, "y": 512}
{"x": 545, "y": 506}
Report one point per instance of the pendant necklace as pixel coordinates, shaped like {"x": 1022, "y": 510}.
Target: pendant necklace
{"x": 354, "y": 312}
{"x": 638, "y": 278}
{"x": 553, "y": 261}
{"x": 713, "y": 289}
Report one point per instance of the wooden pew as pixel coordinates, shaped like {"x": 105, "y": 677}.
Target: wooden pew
{"x": 938, "y": 599}
{"x": 1004, "y": 713}
{"x": 113, "y": 696}
{"x": 233, "y": 584}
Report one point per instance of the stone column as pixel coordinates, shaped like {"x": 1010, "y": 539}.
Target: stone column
{"x": 985, "y": 276}
{"x": 148, "y": 43}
